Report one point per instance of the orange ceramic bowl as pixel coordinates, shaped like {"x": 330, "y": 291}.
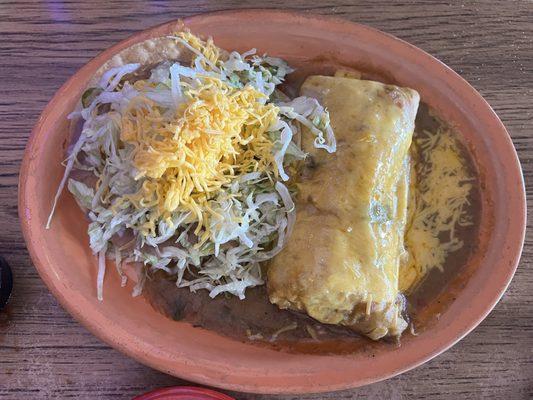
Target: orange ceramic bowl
{"x": 64, "y": 260}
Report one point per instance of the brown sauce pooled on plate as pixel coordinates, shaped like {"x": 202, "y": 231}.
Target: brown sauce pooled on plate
{"x": 256, "y": 320}
{"x": 253, "y": 319}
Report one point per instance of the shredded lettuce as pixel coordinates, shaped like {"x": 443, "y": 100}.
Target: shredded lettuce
{"x": 313, "y": 116}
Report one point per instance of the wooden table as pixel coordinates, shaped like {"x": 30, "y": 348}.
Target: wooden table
{"x": 44, "y": 353}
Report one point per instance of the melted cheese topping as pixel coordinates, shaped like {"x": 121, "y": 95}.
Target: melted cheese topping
{"x": 439, "y": 200}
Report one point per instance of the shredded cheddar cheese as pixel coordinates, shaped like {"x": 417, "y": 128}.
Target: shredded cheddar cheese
{"x": 207, "y": 48}
{"x": 219, "y": 131}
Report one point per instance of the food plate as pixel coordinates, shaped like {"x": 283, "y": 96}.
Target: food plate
{"x": 65, "y": 262}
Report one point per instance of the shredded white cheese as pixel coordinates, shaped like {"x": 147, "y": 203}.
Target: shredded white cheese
{"x": 439, "y": 202}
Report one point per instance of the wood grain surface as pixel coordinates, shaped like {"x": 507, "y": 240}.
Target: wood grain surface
{"x": 44, "y": 353}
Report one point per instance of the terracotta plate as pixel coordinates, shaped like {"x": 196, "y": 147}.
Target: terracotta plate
{"x": 64, "y": 260}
